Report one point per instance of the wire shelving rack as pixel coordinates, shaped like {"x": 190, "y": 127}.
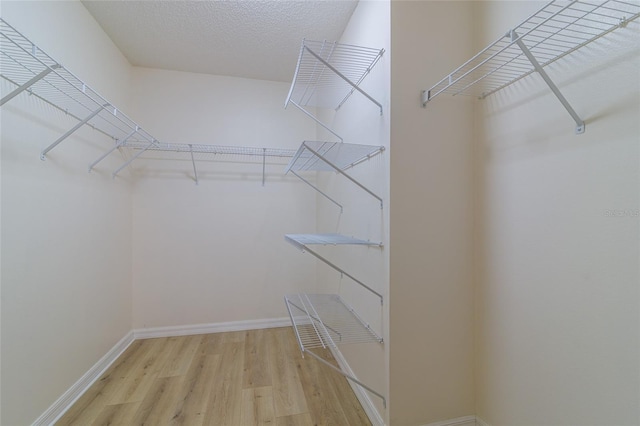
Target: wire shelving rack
{"x": 328, "y": 73}
{"x": 32, "y": 71}
{"x": 332, "y": 156}
{"x": 326, "y": 320}
{"x": 556, "y": 30}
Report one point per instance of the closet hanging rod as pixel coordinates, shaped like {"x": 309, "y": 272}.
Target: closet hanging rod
{"x": 554, "y": 31}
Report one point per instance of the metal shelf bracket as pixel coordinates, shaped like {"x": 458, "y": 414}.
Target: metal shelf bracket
{"x": 580, "y": 126}
{"x": 73, "y": 129}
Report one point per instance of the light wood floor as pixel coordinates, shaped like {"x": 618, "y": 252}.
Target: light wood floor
{"x": 237, "y": 379}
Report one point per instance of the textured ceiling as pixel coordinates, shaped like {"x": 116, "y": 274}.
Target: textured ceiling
{"x": 246, "y": 38}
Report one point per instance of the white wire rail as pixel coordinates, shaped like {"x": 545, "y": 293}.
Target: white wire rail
{"x": 556, "y": 30}
{"x": 325, "y": 321}
{"x": 328, "y": 73}
{"x": 332, "y": 156}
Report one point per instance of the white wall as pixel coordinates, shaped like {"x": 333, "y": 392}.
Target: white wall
{"x": 359, "y": 121}
{"x": 215, "y": 252}
{"x": 66, "y": 253}
{"x": 557, "y": 320}
{"x": 431, "y": 213}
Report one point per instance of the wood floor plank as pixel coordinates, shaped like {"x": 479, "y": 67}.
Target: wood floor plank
{"x": 157, "y": 408}
{"x": 353, "y": 412}
{"x": 181, "y": 356}
{"x": 288, "y": 395}
{"x": 323, "y": 405}
{"x": 224, "y": 405}
{"x": 257, "y": 407}
{"x": 87, "y": 408}
{"x": 303, "y": 419}
{"x": 194, "y": 397}
{"x": 256, "y": 371}
{"x": 135, "y": 384}
{"x": 117, "y": 415}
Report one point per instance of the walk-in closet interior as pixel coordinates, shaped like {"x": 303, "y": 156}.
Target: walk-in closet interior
{"x": 438, "y": 201}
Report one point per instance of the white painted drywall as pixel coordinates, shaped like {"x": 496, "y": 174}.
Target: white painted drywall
{"x": 66, "y": 252}
{"x": 431, "y": 215}
{"x": 558, "y": 299}
{"x": 359, "y": 121}
{"x": 215, "y": 252}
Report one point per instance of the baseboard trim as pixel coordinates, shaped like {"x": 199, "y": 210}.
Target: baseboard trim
{"x": 362, "y": 395}
{"x": 458, "y": 421}
{"x": 62, "y": 404}
{"x": 219, "y": 327}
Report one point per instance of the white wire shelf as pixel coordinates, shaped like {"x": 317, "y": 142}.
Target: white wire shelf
{"x": 32, "y": 70}
{"x": 303, "y": 241}
{"x": 325, "y": 321}
{"x": 332, "y": 156}
{"x": 341, "y": 155}
{"x": 212, "y": 149}
{"x": 556, "y": 30}
{"x": 328, "y": 73}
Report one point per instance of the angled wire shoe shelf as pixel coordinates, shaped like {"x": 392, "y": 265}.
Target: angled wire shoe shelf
{"x": 326, "y": 320}
{"x": 332, "y": 156}
{"x": 328, "y": 73}
{"x": 556, "y": 30}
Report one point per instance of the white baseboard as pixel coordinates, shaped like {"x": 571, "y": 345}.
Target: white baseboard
{"x": 219, "y": 327}
{"x": 458, "y": 421}
{"x": 362, "y": 395}
{"x": 67, "y": 399}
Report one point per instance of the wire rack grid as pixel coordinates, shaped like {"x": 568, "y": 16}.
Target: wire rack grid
{"x": 23, "y": 62}
{"x": 325, "y": 320}
{"x": 323, "y": 69}
{"x": 313, "y": 155}
{"x": 556, "y": 30}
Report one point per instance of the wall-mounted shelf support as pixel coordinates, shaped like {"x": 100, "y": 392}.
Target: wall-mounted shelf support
{"x": 28, "y": 84}
{"x": 72, "y": 130}
{"x": 314, "y": 118}
{"x": 333, "y": 156}
{"x": 302, "y": 241}
{"x": 136, "y": 155}
{"x": 580, "y": 126}
{"x": 556, "y": 30}
{"x": 324, "y": 321}
{"x": 318, "y": 190}
{"x": 116, "y": 146}
{"x": 193, "y": 162}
